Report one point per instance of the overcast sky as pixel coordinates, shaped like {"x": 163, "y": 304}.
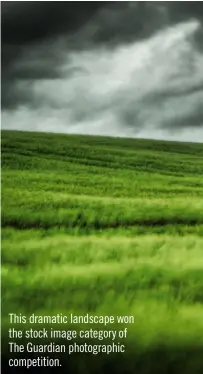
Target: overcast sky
{"x": 130, "y": 69}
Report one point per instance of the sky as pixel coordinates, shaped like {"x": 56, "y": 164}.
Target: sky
{"x": 124, "y": 69}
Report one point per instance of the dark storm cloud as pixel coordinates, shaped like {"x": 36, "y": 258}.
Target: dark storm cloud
{"x": 39, "y": 39}
{"x": 193, "y": 119}
{"x": 27, "y": 26}
{"x": 26, "y": 22}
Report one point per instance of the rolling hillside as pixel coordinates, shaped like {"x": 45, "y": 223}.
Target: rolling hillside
{"x": 109, "y": 226}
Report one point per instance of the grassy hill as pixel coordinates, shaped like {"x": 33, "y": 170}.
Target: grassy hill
{"x": 107, "y": 226}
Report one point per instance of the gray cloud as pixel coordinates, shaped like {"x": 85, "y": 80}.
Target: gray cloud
{"x": 122, "y": 68}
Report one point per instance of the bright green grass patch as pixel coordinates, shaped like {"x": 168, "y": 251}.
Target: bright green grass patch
{"x": 84, "y": 250}
{"x": 107, "y": 226}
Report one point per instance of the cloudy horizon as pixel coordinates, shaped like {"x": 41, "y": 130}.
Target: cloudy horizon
{"x": 124, "y": 69}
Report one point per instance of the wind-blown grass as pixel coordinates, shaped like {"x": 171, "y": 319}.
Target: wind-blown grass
{"x": 107, "y": 226}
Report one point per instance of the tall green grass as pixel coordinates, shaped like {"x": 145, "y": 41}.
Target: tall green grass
{"x": 107, "y": 226}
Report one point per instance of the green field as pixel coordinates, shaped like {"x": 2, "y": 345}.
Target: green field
{"x": 107, "y": 226}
